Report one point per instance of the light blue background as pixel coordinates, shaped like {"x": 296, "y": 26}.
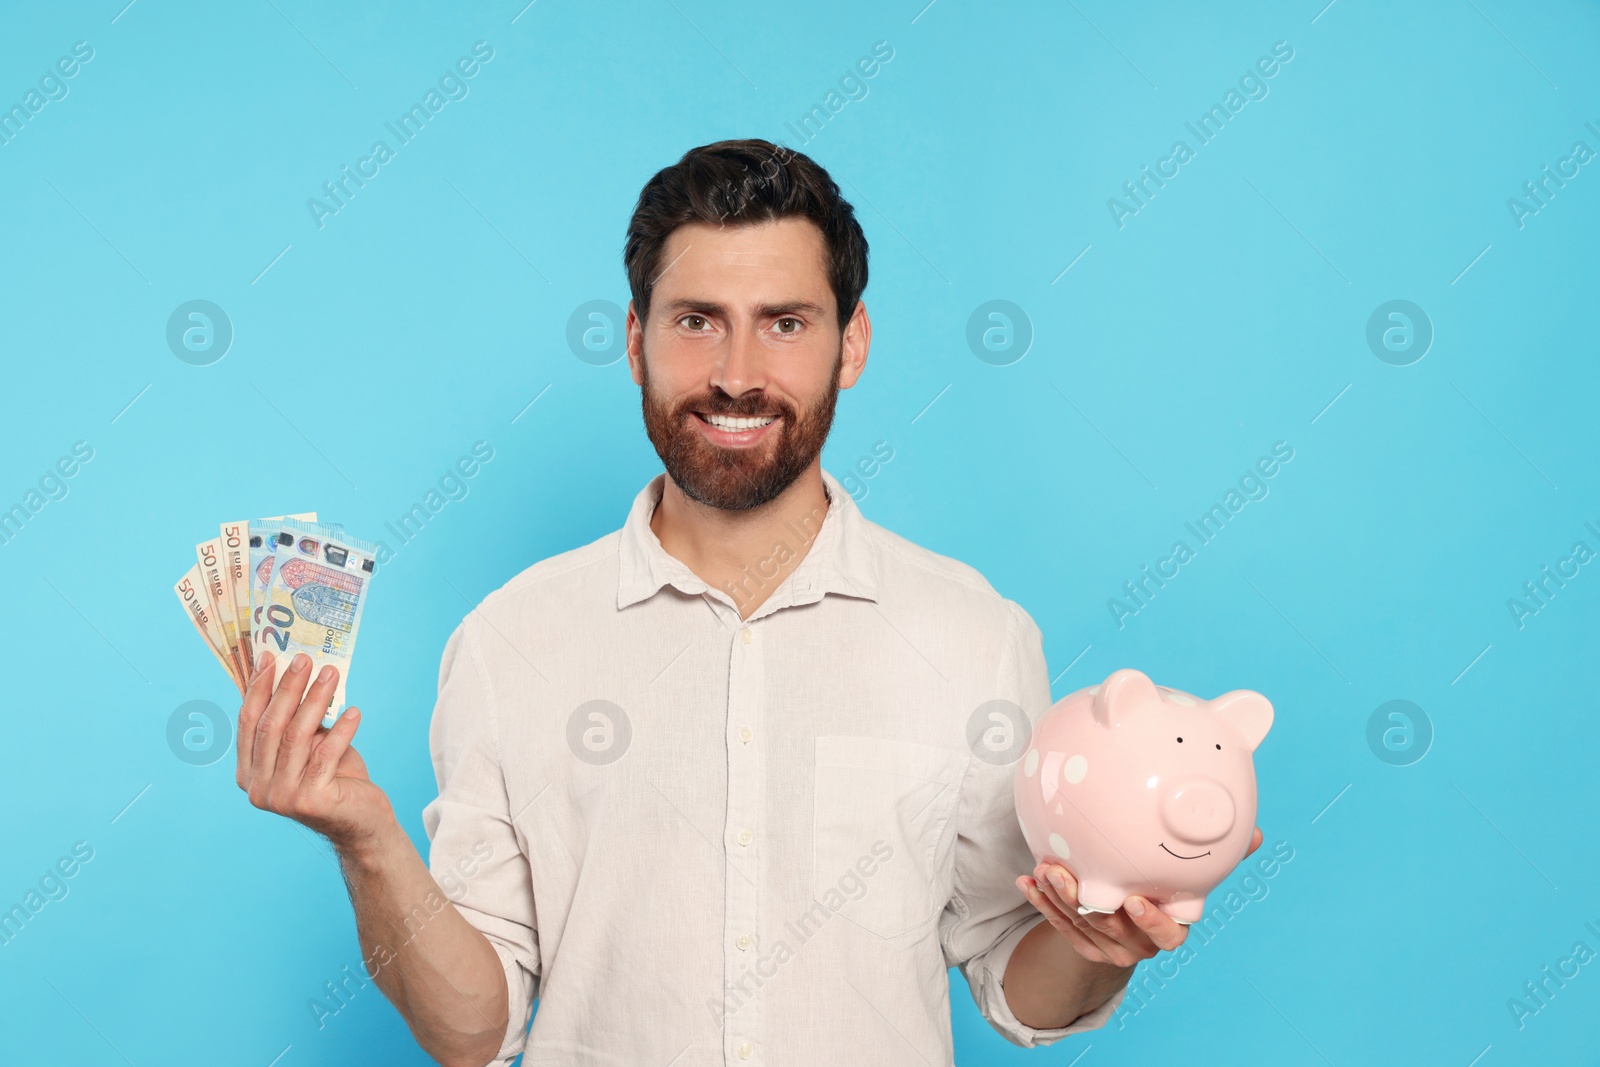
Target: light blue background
{"x": 1228, "y": 314}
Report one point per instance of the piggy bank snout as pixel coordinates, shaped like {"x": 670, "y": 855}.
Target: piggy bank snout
{"x": 1198, "y": 811}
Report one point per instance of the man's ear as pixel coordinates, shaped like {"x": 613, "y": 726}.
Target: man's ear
{"x": 634, "y": 329}
{"x": 855, "y": 342}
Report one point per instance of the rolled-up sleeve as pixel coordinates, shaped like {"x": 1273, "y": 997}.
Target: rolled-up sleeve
{"x": 474, "y": 853}
{"x": 987, "y": 915}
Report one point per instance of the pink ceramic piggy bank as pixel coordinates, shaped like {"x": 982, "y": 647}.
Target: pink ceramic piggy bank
{"x": 1137, "y": 788}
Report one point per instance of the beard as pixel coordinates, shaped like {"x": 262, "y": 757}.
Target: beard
{"x": 737, "y": 479}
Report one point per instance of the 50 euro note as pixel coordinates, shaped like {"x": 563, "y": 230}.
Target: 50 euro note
{"x": 235, "y": 559}
{"x": 219, "y": 598}
{"x": 191, "y": 593}
{"x": 313, "y": 601}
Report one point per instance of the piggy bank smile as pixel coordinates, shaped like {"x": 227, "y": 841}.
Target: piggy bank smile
{"x": 1207, "y": 852}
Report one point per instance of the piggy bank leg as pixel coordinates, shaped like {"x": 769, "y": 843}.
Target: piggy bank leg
{"x": 1099, "y": 896}
{"x": 1185, "y": 911}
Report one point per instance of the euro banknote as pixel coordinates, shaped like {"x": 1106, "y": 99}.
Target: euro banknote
{"x": 218, "y": 593}
{"x": 261, "y": 535}
{"x": 191, "y": 594}
{"x": 313, "y": 601}
{"x": 235, "y": 571}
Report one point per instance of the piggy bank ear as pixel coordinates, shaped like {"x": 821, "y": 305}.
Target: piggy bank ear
{"x": 1121, "y": 693}
{"x": 1249, "y": 712}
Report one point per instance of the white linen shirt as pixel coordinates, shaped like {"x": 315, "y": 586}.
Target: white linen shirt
{"x": 700, "y": 840}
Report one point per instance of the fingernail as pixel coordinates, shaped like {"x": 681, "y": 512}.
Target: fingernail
{"x": 301, "y": 662}
{"x": 1058, "y": 880}
{"x": 325, "y": 674}
{"x": 261, "y": 666}
{"x": 1134, "y": 906}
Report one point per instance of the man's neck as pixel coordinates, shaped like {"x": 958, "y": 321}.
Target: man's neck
{"x": 746, "y": 554}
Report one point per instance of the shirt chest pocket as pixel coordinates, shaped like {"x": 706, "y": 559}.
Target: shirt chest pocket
{"x": 882, "y": 827}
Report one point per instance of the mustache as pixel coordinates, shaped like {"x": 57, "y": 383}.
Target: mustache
{"x": 744, "y": 406}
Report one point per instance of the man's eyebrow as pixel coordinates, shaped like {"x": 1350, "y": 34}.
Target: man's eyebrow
{"x": 683, "y": 305}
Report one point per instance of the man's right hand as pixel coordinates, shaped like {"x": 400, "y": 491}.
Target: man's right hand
{"x": 289, "y": 764}
{"x": 445, "y": 978}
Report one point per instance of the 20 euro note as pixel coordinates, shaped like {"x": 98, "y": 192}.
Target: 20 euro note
{"x": 314, "y": 601}
{"x": 253, "y": 556}
{"x": 264, "y": 535}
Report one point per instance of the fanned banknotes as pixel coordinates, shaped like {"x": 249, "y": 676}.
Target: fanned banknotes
{"x": 215, "y": 594}
{"x": 286, "y": 584}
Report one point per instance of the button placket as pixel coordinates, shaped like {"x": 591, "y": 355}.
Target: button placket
{"x": 742, "y": 1005}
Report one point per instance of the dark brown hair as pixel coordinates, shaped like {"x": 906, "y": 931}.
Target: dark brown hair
{"x": 739, "y": 182}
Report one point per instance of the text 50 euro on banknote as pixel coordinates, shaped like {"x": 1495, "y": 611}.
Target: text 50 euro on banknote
{"x": 320, "y": 579}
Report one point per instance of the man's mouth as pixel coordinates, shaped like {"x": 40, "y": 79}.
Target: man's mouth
{"x": 735, "y": 423}
{"x": 735, "y": 431}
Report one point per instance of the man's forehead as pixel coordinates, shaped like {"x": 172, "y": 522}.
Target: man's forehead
{"x": 787, "y": 249}
{"x": 766, "y": 245}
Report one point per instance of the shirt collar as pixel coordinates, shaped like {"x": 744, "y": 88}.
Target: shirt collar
{"x": 840, "y": 559}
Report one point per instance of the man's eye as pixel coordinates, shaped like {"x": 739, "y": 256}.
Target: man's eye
{"x": 789, "y": 319}
{"x": 692, "y": 319}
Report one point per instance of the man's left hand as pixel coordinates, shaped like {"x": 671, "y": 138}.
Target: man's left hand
{"x": 1136, "y": 931}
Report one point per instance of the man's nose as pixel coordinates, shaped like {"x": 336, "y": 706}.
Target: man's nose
{"x": 742, "y": 366}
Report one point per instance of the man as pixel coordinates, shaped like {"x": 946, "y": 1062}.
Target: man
{"x": 705, "y": 790}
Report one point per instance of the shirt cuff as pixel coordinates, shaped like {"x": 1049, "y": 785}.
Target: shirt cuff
{"x": 519, "y": 1004}
{"x": 991, "y": 998}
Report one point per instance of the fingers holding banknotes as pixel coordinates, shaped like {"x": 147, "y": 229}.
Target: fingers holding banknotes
{"x": 291, "y": 765}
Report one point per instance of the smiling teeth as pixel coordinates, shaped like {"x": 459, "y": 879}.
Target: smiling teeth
{"x": 728, "y": 422}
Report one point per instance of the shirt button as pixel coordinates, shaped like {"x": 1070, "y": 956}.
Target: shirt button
{"x": 745, "y": 837}
{"x": 745, "y": 733}
{"x": 744, "y": 1050}
{"x": 743, "y": 942}
{"x": 745, "y": 633}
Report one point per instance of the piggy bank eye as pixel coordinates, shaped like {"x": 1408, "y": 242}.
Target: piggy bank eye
{"x": 1180, "y": 740}
{"x": 1219, "y": 747}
